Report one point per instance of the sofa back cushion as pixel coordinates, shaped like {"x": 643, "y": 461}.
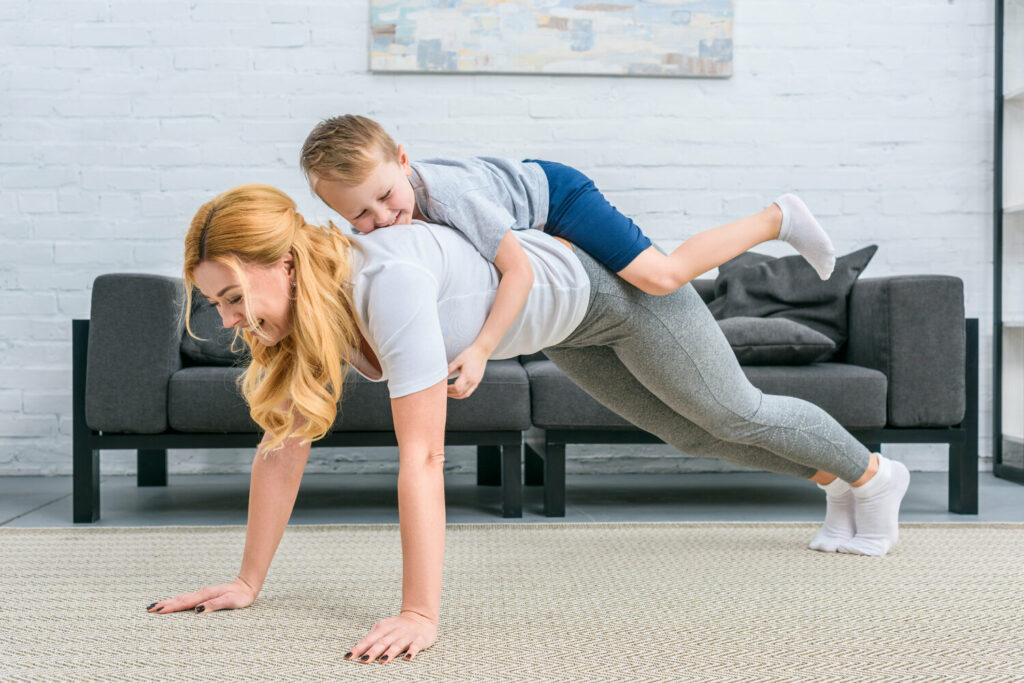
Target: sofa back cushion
{"x": 775, "y": 341}
{"x": 214, "y": 346}
{"x": 760, "y": 286}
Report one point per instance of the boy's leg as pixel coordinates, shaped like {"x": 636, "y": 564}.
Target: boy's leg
{"x": 580, "y": 213}
{"x": 787, "y": 219}
{"x": 658, "y": 274}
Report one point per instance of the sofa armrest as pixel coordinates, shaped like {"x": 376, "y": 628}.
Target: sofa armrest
{"x": 134, "y": 348}
{"x": 911, "y": 327}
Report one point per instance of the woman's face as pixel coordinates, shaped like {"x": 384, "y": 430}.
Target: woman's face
{"x": 269, "y": 291}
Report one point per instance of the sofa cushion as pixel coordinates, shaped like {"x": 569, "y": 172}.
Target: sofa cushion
{"x": 853, "y": 395}
{"x": 763, "y": 341}
{"x": 912, "y": 328}
{"x": 705, "y": 287}
{"x": 775, "y": 341}
{"x": 757, "y": 285}
{"x": 214, "y": 345}
{"x": 206, "y": 399}
{"x": 134, "y": 339}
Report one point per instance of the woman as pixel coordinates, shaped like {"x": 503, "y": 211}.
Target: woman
{"x": 399, "y": 304}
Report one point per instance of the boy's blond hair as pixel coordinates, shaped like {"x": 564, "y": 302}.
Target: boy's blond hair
{"x": 346, "y": 148}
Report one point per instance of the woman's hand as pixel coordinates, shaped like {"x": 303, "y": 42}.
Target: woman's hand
{"x": 404, "y": 635}
{"x": 471, "y": 364}
{"x": 234, "y": 595}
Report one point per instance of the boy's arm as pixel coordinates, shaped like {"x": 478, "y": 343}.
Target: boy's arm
{"x": 513, "y": 290}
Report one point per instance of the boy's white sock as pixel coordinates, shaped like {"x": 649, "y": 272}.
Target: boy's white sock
{"x": 801, "y": 229}
{"x": 877, "y": 510}
{"x": 839, "y": 526}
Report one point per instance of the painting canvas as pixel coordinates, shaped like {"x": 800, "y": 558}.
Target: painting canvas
{"x": 645, "y": 38}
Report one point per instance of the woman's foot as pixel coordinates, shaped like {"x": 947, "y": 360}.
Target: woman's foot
{"x": 877, "y": 510}
{"x": 801, "y": 229}
{"x": 839, "y": 526}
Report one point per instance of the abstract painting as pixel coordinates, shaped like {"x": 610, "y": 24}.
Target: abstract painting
{"x": 638, "y": 38}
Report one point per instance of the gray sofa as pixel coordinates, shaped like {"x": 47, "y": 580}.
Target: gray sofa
{"x": 908, "y": 373}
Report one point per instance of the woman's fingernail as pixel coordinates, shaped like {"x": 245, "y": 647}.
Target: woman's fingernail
{"x": 364, "y": 658}
{"x": 201, "y": 608}
{"x": 383, "y": 658}
{"x": 408, "y": 656}
{"x": 348, "y": 655}
{"x": 151, "y": 606}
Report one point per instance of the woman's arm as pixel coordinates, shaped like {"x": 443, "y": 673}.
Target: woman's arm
{"x": 274, "y": 485}
{"x": 513, "y": 290}
{"x": 419, "y": 426}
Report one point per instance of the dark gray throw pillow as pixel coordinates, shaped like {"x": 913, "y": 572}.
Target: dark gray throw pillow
{"x": 759, "y": 286}
{"x": 214, "y": 347}
{"x": 775, "y": 341}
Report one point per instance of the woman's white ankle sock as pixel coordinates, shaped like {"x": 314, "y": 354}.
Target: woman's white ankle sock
{"x": 877, "y": 510}
{"x": 801, "y": 229}
{"x": 839, "y": 517}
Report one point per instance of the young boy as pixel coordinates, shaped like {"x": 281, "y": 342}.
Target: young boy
{"x": 355, "y": 167}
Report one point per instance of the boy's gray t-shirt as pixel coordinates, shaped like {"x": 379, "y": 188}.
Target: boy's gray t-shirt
{"x": 481, "y": 197}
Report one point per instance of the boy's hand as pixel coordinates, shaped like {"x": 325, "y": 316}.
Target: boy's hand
{"x": 471, "y": 364}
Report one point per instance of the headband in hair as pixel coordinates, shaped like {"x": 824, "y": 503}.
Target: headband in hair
{"x": 202, "y": 234}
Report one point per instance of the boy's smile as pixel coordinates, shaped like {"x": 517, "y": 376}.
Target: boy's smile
{"x": 384, "y": 199}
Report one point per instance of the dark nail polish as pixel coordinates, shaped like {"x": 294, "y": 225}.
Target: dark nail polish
{"x": 201, "y": 608}
{"x": 408, "y": 656}
{"x": 348, "y": 655}
{"x": 151, "y": 606}
{"x": 383, "y": 658}
{"x": 364, "y": 658}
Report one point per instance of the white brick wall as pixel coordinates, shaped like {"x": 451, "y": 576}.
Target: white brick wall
{"x": 118, "y": 118}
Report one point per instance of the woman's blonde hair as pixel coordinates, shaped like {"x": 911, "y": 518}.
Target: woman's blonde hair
{"x": 346, "y": 148}
{"x": 292, "y": 388}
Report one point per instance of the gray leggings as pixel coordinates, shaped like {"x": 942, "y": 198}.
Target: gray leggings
{"x": 663, "y": 364}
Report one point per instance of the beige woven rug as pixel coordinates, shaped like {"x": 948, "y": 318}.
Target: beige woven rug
{"x": 523, "y": 602}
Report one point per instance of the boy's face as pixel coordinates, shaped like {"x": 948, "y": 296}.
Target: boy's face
{"x": 384, "y": 199}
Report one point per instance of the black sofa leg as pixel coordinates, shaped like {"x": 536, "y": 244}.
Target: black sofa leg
{"x": 152, "y": 467}
{"x": 963, "y": 457}
{"x": 533, "y": 466}
{"x": 85, "y": 484}
{"x": 488, "y": 465}
{"x": 554, "y": 480}
{"x": 512, "y": 480}
{"x": 963, "y": 478}
{"x": 85, "y": 460}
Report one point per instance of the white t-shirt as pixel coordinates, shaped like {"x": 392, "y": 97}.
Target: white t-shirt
{"x": 422, "y": 293}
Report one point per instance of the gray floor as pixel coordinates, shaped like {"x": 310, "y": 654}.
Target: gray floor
{"x": 214, "y": 499}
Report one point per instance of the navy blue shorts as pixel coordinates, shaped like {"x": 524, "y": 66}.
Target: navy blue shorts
{"x": 579, "y": 212}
